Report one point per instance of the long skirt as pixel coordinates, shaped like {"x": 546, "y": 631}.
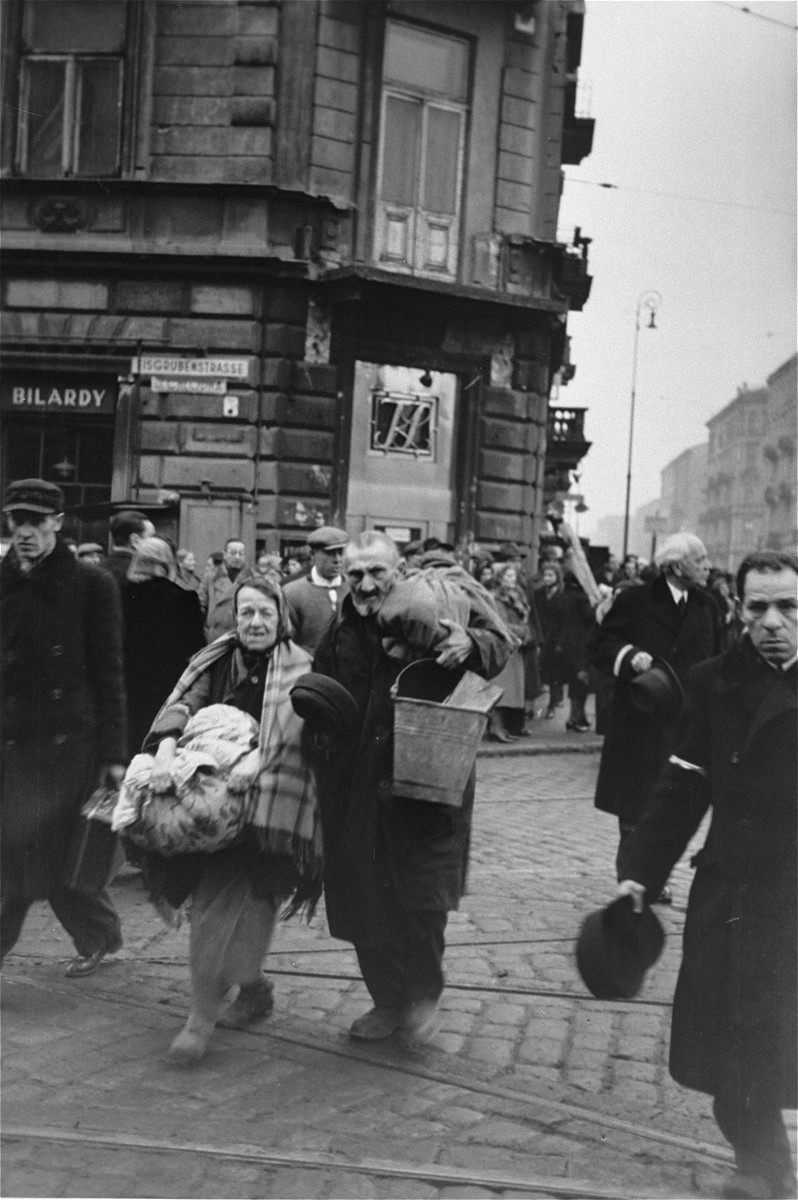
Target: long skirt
{"x": 231, "y": 931}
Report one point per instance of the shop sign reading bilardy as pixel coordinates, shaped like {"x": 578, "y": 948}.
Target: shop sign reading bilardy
{"x": 57, "y": 392}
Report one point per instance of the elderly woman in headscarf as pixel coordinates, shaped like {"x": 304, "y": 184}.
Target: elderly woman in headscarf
{"x": 162, "y": 629}
{"x": 236, "y": 892}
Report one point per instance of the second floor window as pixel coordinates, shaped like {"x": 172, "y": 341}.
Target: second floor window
{"x": 424, "y": 106}
{"x": 70, "y": 111}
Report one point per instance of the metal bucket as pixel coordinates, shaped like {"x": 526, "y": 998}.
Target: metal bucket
{"x": 434, "y": 745}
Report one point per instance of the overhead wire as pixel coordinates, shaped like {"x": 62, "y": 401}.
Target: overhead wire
{"x": 751, "y": 12}
{"x": 620, "y": 187}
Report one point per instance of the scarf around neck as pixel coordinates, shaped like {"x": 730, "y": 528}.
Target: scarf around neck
{"x": 283, "y": 807}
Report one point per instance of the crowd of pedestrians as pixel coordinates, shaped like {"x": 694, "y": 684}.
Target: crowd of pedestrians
{"x": 150, "y": 674}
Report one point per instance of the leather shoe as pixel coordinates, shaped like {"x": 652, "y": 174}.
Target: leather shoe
{"x": 376, "y": 1025}
{"x": 254, "y": 1002}
{"x": 84, "y": 964}
{"x": 421, "y": 1020}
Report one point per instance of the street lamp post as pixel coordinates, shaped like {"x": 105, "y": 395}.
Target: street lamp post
{"x": 647, "y": 302}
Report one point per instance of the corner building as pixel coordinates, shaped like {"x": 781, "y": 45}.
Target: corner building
{"x": 270, "y": 264}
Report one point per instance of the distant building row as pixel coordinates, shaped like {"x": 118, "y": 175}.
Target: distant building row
{"x": 738, "y": 490}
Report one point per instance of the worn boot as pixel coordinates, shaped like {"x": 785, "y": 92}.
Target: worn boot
{"x": 254, "y": 1002}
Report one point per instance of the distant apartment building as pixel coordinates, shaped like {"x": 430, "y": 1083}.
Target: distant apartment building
{"x": 682, "y": 489}
{"x": 781, "y": 512}
{"x": 733, "y": 522}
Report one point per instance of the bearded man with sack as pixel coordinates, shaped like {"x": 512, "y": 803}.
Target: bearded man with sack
{"x": 395, "y": 866}
{"x": 63, "y": 718}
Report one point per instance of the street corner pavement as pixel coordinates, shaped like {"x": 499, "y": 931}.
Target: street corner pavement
{"x": 530, "y": 1086}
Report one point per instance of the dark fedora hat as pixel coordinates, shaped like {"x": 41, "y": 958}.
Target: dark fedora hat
{"x": 657, "y": 691}
{"x": 320, "y": 700}
{"x": 615, "y": 948}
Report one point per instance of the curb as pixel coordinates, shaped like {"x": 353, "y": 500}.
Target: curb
{"x": 525, "y": 748}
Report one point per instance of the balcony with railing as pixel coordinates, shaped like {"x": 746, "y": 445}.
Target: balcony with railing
{"x": 566, "y": 446}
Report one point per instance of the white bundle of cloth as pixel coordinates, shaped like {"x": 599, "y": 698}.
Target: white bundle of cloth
{"x": 198, "y": 813}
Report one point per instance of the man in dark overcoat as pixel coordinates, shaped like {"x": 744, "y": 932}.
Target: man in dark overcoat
{"x": 734, "y": 1017}
{"x": 393, "y": 866}
{"x": 63, "y": 717}
{"x": 127, "y": 528}
{"x": 672, "y": 618}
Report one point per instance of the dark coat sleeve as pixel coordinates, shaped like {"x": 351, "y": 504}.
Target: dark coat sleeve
{"x": 679, "y": 800}
{"x": 617, "y": 630}
{"x": 104, "y": 663}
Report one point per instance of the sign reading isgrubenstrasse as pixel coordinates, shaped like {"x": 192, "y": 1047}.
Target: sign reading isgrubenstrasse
{"x": 174, "y": 367}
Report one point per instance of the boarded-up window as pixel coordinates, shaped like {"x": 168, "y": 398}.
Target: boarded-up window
{"x": 425, "y": 90}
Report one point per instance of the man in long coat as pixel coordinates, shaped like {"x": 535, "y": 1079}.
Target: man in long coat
{"x": 63, "y": 717}
{"x": 734, "y": 1016}
{"x": 672, "y": 618}
{"x": 393, "y": 867}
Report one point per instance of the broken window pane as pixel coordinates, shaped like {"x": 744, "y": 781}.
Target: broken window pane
{"x": 403, "y": 423}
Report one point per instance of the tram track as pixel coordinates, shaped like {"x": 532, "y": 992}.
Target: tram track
{"x": 437, "y": 1176}
{"x": 454, "y": 1076}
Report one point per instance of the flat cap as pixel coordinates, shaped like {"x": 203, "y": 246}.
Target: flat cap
{"x": 327, "y": 537}
{"x": 89, "y": 548}
{"x": 33, "y": 495}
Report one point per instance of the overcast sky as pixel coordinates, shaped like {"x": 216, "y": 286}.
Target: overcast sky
{"x": 692, "y": 98}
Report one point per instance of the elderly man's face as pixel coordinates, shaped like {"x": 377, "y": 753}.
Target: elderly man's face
{"x": 370, "y": 573}
{"x": 694, "y": 568}
{"x": 770, "y": 613}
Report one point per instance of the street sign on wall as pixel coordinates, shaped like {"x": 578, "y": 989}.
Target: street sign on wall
{"x": 175, "y": 367}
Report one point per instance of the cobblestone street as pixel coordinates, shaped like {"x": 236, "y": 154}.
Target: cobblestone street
{"x": 530, "y": 1088}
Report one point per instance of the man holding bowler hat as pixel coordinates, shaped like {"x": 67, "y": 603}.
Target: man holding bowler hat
{"x": 63, "y": 717}
{"x": 734, "y": 1024}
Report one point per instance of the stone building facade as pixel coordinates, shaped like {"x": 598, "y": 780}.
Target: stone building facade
{"x": 683, "y": 485}
{"x": 273, "y": 263}
{"x": 781, "y": 510}
{"x": 733, "y": 521}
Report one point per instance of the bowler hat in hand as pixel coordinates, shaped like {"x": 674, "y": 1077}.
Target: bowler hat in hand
{"x": 657, "y": 692}
{"x": 322, "y": 701}
{"x": 615, "y": 948}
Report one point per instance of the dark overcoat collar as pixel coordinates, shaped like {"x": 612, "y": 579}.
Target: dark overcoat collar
{"x": 753, "y": 684}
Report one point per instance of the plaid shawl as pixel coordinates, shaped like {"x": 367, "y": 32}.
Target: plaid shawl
{"x": 283, "y": 809}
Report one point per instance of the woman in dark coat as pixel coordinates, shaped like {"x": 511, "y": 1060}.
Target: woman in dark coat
{"x": 575, "y": 630}
{"x": 163, "y": 628}
{"x": 548, "y": 602}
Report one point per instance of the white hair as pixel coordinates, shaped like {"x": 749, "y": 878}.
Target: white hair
{"x": 676, "y": 548}
{"x": 372, "y": 539}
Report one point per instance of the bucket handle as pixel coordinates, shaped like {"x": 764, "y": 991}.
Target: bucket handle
{"x": 395, "y": 685}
